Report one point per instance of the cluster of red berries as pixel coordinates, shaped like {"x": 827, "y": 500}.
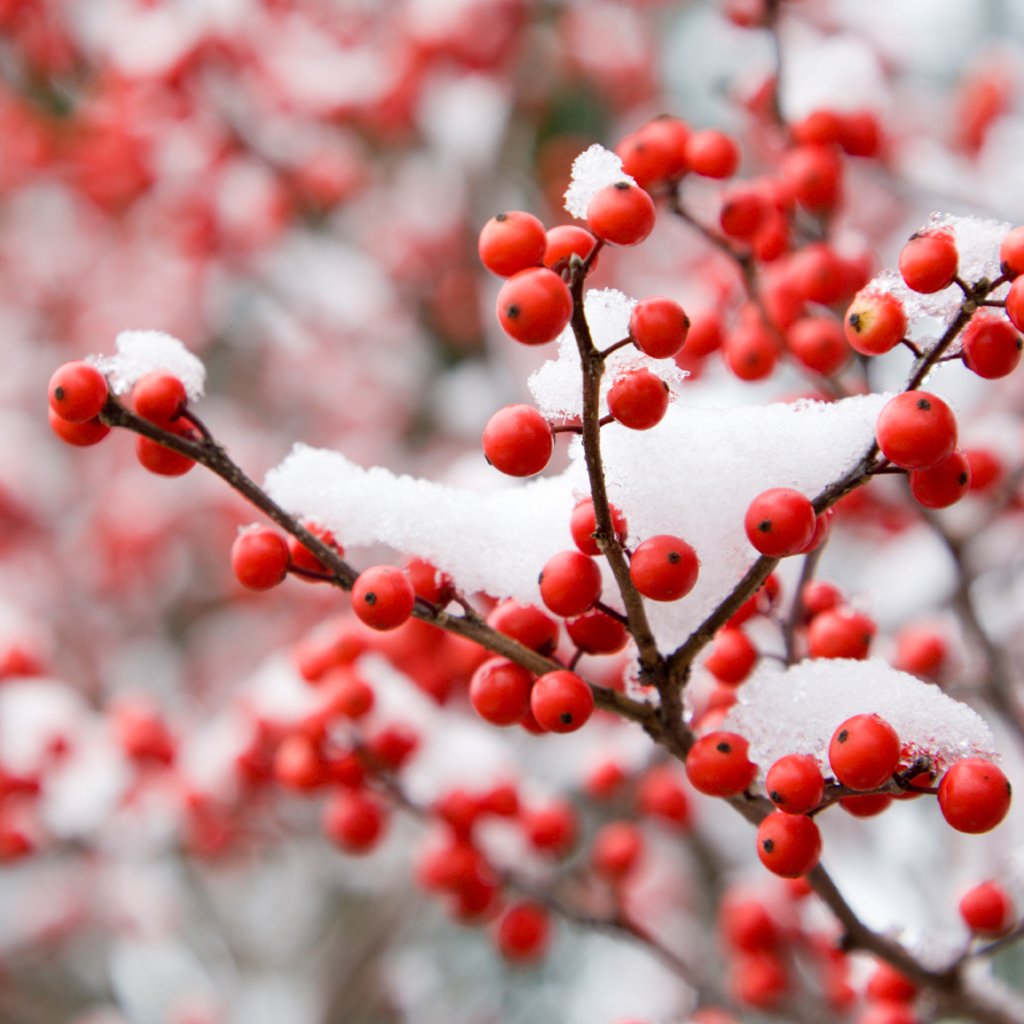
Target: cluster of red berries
{"x": 865, "y": 758}
{"x": 78, "y": 393}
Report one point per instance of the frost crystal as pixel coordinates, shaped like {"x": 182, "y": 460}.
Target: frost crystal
{"x": 142, "y": 352}
{"x": 797, "y": 710}
{"x": 592, "y": 170}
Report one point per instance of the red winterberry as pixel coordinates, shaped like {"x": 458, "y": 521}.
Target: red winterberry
{"x": 566, "y": 240}
{"x": 943, "y": 484}
{"x": 551, "y": 828}
{"x": 303, "y": 560}
{"x": 818, "y": 343}
{"x": 78, "y": 392}
{"x": 974, "y": 795}
{"x": 795, "y": 783}
{"x": 570, "y": 583}
{"x": 916, "y": 430}
{"x": 428, "y": 581}
{"x": 780, "y": 522}
{"x": 718, "y": 765}
{"x": 534, "y": 306}
{"x": 512, "y": 241}
{"x": 160, "y": 459}
{"x": 864, "y": 752}
{"x": 1011, "y": 253}
{"x": 814, "y": 173}
{"x": 991, "y": 346}
{"x": 655, "y": 152}
{"x": 875, "y": 323}
{"x": 788, "y": 844}
{"x": 928, "y": 262}
{"x": 595, "y": 632}
{"x": 1015, "y": 303}
{"x": 621, "y": 214}
{"x": 81, "y": 435}
{"x": 660, "y": 794}
{"x": 523, "y": 932}
{"x": 617, "y": 849}
{"x": 712, "y": 154}
{"x": 664, "y": 568}
{"x": 383, "y": 597}
{"x": 525, "y": 623}
{"x": 889, "y": 984}
{"x": 260, "y": 558}
{"x": 518, "y": 440}
{"x": 159, "y": 397}
{"x": 353, "y": 820}
{"x": 743, "y": 212}
{"x": 561, "y": 701}
{"x": 583, "y": 526}
{"x": 922, "y": 650}
{"x": 732, "y": 656}
{"x": 638, "y": 399}
{"x": 751, "y": 350}
{"x": 987, "y": 909}
{"x": 840, "y": 633}
{"x": 500, "y": 691}
{"x": 658, "y": 327}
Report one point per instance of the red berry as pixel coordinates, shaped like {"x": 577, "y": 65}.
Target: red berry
{"x": 597, "y": 633}
{"x": 518, "y": 441}
{"x": 78, "y": 392}
{"x": 660, "y": 794}
{"x": 916, "y": 430}
{"x": 164, "y": 461}
{"x": 974, "y": 795}
{"x": 383, "y": 597}
{"x": 534, "y": 306}
{"x": 747, "y": 925}
{"x": 524, "y": 932}
{"x": 638, "y": 399}
{"x": 511, "y": 242}
{"x": 795, "y": 783}
{"x": 617, "y": 849}
{"x": 991, "y": 346}
{"x": 428, "y": 581}
{"x": 500, "y": 691}
{"x": 818, "y": 343}
{"x": 561, "y": 701}
{"x": 1015, "y": 303}
{"x": 525, "y": 623}
{"x": 81, "y": 435}
{"x": 260, "y": 558}
{"x": 743, "y": 212}
{"x": 570, "y": 583}
{"x": 664, "y": 568}
{"x": 788, "y": 844}
{"x": 988, "y": 910}
{"x": 304, "y": 560}
{"x": 861, "y": 134}
{"x": 704, "y": 335}
{"x": 814, "y": 173}
{"x": 732, "y": 657}
{"x": 760, "y": 980}
{"x": 655, "y": 152}
{"x": 943, "y": 484}
{"x": 928, "y": 262}
{"x": 819, "y": 596}
{"x": 551, "y": 828}
{"x": 354, "y": 821}
{"x": 658, "y": 327}
{"x": 712, "y": 154}
{"x": 864, "y": 752}
{"x": 987, "y": 470}
{"x": 583, "y": 525}
{"x": 890, "y": 985}
{"x": 565, "y": 240}
{"x": 621, "y": 214}
{"x": 840, "y": 633}
{"x": 718, "y": 765}
{"x": 1011, "y": 253}
{"x": 875, "y": 323}
{"x": 780, "y": 522}
{"x": 921, "y": 650}
{"x": 751, "y": 350}
{"x": 866, "y": 806}
{"x": 159, "y": 397}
